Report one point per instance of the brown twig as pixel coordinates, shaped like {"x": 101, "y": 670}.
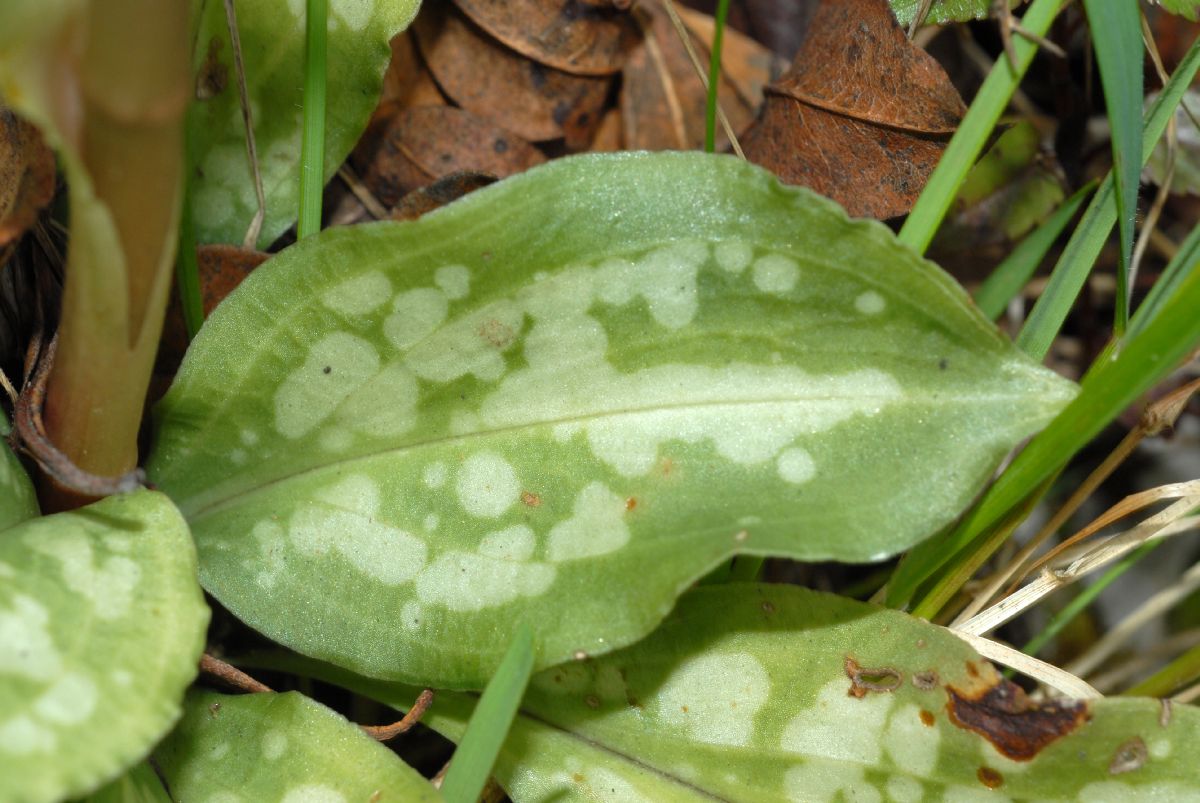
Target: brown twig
{"x": 383, "y": 733}
{"x": 230, "y": 675}
{"x": 30, "y": 433}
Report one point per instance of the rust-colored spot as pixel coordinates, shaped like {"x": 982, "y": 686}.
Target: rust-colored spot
{"x": 591, "y": 701}
{"x": 577, "y": 777}
{"x": 927, "y": 680}
{"x": 376, "y": 796}
{"x": 631, "y": 503}
{"x": 683, "y": 708}
{"x": 213, "y": 76}
{"x": 496, "y": 333}
{"x": 1130, "y": 756}
{"x": 989, "y": 777}
{"x": 927, "y": 718}
{"x": 972, "y": 670}
{"x": 864, "y": 681}
{"x": 530, "y": 499}
{"x": 1014, "y": 724}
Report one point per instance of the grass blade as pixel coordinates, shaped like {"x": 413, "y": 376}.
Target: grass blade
{"x": 714, "y": 77}
{"x": 968, "y": 141}
{"x": 312, "y": 145}
{"x": 1110, "y": 387}
{"x": 1117, "y": 37}
{"x": 1010, "y": 276}
{"x": 1081, "y": 252}
{"x": 489, "y": 724}
{"x": 1183, "y": 264}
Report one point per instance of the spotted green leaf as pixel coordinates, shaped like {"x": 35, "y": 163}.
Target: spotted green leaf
{"x": 101, "y": 627}
{"x": 943, "y": 11}
{"x": 272, "y": 36}
{"x": 762, "y": 693}
{"x": 565, "y": 398}
{"x": 17, "y": 499}
{"x": 139, "y": 785}
{"x": 280, "y": 748}
{"x": 1184, "y": 8}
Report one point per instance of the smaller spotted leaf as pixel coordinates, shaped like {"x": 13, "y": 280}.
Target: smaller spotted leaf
{"x": 221, "y": 185}
{"x": 944, "y": 11}
{"x": 566, "y": 397}
{"x": 280, "y": 748}
{"x": 754, "y": 693}
{"x": 101, "y": 627}
{"x": 18, "y": 502}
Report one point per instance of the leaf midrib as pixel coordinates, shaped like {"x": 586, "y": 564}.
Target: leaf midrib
{"x": 196, "y": 514}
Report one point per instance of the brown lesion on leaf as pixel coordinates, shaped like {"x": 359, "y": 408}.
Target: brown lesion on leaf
{"x": 497, "y": 334}
{"x": 631, "y": 503}
{"x": 863, "y": 681}
{"x": 213, "y": 75}
{"x": 1016, "y": 726}
{"x": 927, "y": 718}
{"x": 530, "y": 499}
{"x": 927, "y": 680}
{"x": 989, "y": 777}
{"x": 1130, "y": 755}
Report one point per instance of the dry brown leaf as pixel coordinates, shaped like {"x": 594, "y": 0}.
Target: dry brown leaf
{"x": 568, "y": 35}
{"x": 408, "y": 82}
{"x": 746, "y": 64}
{"x": 26, "y": 176}
{"x": 439, "y": 193}
{"x": 894, "y": 110}
{"x": 663, "y": 99}
{"x": 416, "y": 146}
{"x": 486, "y": 78}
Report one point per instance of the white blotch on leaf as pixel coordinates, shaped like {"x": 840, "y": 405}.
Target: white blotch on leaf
{"x": 26, "y": 648}
{"x": 359, "y": 295}
{"x": 827, "y": 781}
{"x": 733, "y": 255}
{"x": 431, "y": 522}
{"x": 107, "y": 584}
{"x": 839, "y": 726}
{"x": 910, "y": 743}
{"x": 22, "y": 736}
{"x": 313, "y": 793}
{"x": 795, "y": 466}
{"x": 274, "y": 744}
{"x": 336, "y": 366}
{"x": 69, "y": 701}
{"x": 356, "y": 14}
{"x": 487, "y": 485}
{"x": 342, "y": 518}
{"x": 775, "y": 273}
{"x": 665, "y": 278}
{"x": 473, "y": 344}
{"x": 903, "y": 789}
{"x": 270, "y": 563}
{"x": 415, "y": 314}
{"x": 596, "y": 527}
{"x": 512, "y": 543}
{"x": 455, "y": 280}
{"x": 870, "y": 303}
{"x": 714, "y": 697}
{"x": 435, "y": 474}
{"x": 464, "y": 581}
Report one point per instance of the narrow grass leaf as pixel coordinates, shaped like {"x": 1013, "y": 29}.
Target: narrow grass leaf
{"x": 1182, "y": 265}
{"x": 1117, "y": 38}
{"x": 1006, "y": 281}
{"x": 1110, "y": 387}
{"x": 312, "y": 146}
{"x": 973, "y": 132}
{"x": 714, "y": 77}
{"x": 1089, "y": 238}
{"x": 490, "y": 722}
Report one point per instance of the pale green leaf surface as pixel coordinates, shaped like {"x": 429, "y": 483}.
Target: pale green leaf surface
{"x": 565, "y": 398}
{"x": 745, "y": 694}
{"x": 272, "y": 34}
{"x": 139, "y": 785}
{"x": 18, "y": 502}
{"x": 943, "y": 11}
{"x": 101, "y": 628}
{"x": 1184, "y": 8}
{"x": 280, "y": 748}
